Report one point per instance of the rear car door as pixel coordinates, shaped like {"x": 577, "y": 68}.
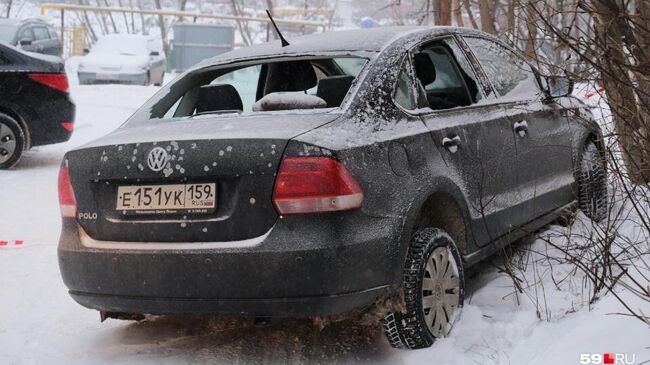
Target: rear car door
{"x": 471, "y": 132}
{"x": 542, "y": 134}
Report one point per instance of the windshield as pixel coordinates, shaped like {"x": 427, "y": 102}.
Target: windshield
{"x": 127, "y": 46}
{"x": 292, "y": 84}
{"x": 7, "y": 32}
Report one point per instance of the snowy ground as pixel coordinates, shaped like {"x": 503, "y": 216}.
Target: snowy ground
{"x": 40, "y": 324}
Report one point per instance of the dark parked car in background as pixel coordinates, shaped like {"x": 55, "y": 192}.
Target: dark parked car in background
{"x": 32, "y": 35}
{"x": 35, "y": 108}
{"x": 345, "y": 170}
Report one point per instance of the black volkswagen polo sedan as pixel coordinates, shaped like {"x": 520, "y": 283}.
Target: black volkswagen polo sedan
{"x": 344, "y": 171}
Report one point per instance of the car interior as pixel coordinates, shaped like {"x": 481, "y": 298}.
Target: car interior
{"x": 279, "y": 87}
{"x": 440, "y": 78}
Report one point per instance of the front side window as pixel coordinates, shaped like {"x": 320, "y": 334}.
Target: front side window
{"x": 41, "y": 33}
{"x": 508, "y": 72}
{"x": 446, "y": 82}
{"x": 266, "y": 86}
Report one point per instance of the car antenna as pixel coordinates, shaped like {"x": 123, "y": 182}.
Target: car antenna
{"x": 277, "y": 30}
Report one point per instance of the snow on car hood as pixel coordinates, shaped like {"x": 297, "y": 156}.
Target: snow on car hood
{"x": 101, "y": 62}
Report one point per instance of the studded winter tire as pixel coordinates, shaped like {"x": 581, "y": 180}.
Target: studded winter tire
{"x": 433, "y": 291}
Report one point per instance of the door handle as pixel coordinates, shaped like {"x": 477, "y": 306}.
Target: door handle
{"x": 451, "y": 144}
{"x": 520, "y": 128}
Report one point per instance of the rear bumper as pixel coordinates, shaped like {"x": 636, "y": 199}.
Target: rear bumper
{"x": 274, "y": 307}
{"x": 45, "y": 121}
{"x": 298, "y": 269}
{"x": 112, "y": 78}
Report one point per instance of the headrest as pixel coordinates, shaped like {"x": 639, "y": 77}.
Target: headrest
{"x": 290, "y": 76}
{"x": 218, "y": 97}
{"x": 333, "y": 89}
{"x": 288, "y": 101}
{"x": 424, "y": 68}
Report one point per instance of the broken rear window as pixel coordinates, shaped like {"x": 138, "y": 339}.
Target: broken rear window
{"x": 291, "y": 84}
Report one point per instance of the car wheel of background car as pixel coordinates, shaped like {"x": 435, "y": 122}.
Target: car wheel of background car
{"x": 433, "y": 291}
{"x": 592, "y": 182}
{"x": 12, "y": 142}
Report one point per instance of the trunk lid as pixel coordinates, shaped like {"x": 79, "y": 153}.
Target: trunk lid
{"x": 240, "y": 155}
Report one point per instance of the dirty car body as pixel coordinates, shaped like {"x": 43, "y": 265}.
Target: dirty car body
{"x": 403, "y": 157}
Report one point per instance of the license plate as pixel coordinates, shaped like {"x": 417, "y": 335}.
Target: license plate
{"x": 101, "y": 76}
{"x": 167, "y": 199}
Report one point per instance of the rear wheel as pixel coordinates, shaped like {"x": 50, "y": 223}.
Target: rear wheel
{"x": 433, "y": 291}
{"x": 592, "y": 183}
{"x": 12, "y": 142}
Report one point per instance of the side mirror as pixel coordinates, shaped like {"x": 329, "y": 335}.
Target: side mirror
{"x": 25, "y": 42}
{"x": 154, "y": 53}
{"x": 86, "y": 51}
{"x": 558, "y": 86}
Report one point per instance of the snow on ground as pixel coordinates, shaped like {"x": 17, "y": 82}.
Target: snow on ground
{"x": 40, "y": 323}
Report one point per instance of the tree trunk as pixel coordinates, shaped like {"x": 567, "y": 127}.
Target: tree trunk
{"x": 243, "y": 29}
{"x": 110, "y": 16}
{"x": 442, "y": 12}
{"x": 470, "y": 14}
{"x": 512, "y": 27}
{"x": 102, "y": 19}
{"x": 487, "y": 19}
{"x": 531, "y": 27}
{"x": 181, "y": 7}
{"x": 163, "y": 29}
{"x": 89, "y": 26}
{"x": 9, "y": 3}
{"x": 629, "y": 116}
{"x": 145, "y": 29}
{"x": 456, "y": 10}
{"x": 126, "y": 20}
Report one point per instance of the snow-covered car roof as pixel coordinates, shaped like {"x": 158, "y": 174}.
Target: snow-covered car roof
{"x": 357, "y": 40}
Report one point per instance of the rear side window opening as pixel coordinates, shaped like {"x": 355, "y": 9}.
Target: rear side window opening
{"x": 291, "y": 84}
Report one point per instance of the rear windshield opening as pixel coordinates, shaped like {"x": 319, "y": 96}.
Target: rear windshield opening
{"x": 271, "y": 86}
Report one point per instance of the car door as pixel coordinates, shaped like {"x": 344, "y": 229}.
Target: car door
{"x": 42, "y": 39}
{"x": 542, "y": 134}
{"x": 471, "y": 132}
{"x": 55, "y": 48}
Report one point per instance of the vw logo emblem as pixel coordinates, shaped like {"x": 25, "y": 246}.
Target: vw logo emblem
{"x": 157, "y": 159}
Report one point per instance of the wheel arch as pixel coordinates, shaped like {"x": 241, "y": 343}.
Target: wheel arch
{"x": 441, "y": 206}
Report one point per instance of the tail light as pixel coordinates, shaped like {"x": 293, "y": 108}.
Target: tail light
{"x": 68, "y": 126}
{"x": 315, "y": 185}
{"x": 66, "y": 195}
{"x": 55, "y": 81}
